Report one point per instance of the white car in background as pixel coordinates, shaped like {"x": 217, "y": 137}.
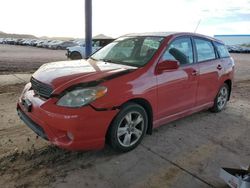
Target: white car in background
{"x": 78, "y": 52}
{"x": 62, "y": 45}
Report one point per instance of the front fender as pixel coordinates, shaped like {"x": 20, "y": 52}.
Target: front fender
{"x": 126, "y": 88}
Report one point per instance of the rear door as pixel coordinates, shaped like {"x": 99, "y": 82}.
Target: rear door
{"x": 210, "y": 70}
{"x": 225, "y": 58}
{"x": 177, "y": 88}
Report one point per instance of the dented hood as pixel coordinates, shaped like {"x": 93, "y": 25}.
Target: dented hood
{"x": 67, "y": 73}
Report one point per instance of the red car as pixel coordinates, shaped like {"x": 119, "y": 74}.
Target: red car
{"x": 134, "y": 84}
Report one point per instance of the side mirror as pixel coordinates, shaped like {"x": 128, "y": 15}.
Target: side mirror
{"x": 167, "y": 65}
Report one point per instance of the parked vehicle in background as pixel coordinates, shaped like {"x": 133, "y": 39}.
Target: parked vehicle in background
{"x": 62, "y": 45}
{"x": 47, "y": 43}
{"x": 21, "y": 42}
{"x": 43, "y": 43}
{"x": 238, "y": 49}
{"x": 27, "y": 42}
{"x": 50, "y": 43}
{"x": 9, "y": 41}
{"x": 78, "y": 52}
{"x": 79, "y": 42}
{"x": 14, "y": 41}
{"x": 132, "y": 85}
{"x": 33, "y": 42}
{"x": 17, "y": 41}
{"x": 245, "y": 49}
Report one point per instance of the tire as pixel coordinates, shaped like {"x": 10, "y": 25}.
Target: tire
{"x": 75, "y": 56}
{"x": 131, "y": 132}
{"x": 221, "y": 99}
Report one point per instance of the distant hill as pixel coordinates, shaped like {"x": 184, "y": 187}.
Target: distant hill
{"x": 102, "y": 36}
{"x": 8, "y": 35}
{"x": 58, "y": 38}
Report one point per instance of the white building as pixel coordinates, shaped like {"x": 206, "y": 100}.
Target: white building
{"x": 234, "y": 39}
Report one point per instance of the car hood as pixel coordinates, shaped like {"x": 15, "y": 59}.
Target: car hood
{"x": 64, "y": 74}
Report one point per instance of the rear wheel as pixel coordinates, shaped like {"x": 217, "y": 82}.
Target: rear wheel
{"x": 128, "y": 128}
{"x": 221, "y": 99}
{"x": 75, "y": 56}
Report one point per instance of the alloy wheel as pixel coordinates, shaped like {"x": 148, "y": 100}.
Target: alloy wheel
{"x": 222, "y": 98}
{"x": 130, "y": 129}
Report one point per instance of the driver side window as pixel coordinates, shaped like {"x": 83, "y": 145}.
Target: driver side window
{"x": 180, "y": 50}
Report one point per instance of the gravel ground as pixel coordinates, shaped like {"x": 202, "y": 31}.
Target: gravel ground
{"x": 185, "y": 153}
{"x": 25, "y": 58}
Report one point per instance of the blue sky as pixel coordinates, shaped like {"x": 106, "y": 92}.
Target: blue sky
{"x": 118, "y": 17}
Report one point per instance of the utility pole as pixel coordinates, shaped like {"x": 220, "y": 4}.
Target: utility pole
{"x": 88, "y": 28}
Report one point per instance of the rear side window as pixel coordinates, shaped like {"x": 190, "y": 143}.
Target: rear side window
{"x": 222, "y": 50}
{"x": 205, "y": 50}
{"x": 181, "y": 50}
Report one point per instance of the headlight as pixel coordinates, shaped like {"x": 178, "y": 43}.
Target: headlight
{"x": 81, "y": 96}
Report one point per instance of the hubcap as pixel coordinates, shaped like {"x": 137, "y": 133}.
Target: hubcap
{"x": 222, "y": 98}
{"x": 130, "y": 129}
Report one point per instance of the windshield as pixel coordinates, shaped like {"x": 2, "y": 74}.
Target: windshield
{"x": 133, "y": 51}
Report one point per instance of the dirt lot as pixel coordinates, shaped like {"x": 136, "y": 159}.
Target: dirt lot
{"x": 25, "y": 58}
{"x": 185, "y": 153}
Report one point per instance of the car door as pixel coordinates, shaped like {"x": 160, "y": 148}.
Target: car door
{"x": 177, "y": 88}
{"x": 210, "y": 69}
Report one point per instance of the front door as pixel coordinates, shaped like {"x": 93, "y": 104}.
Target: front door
{"x": 177, "y": 88}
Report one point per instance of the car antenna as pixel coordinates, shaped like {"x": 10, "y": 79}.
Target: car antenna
{"x": 198, "y": 24}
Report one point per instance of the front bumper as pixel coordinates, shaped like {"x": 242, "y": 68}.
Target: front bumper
{"x": 54, "y": 123}
{"x": 31, "y": 124}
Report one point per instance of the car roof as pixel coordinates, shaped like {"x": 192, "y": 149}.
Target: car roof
{"x": 157, "y": 34}
{"x": 166, "y": 34}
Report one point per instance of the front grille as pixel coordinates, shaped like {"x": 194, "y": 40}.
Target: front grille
{"x": 40, "y": 88}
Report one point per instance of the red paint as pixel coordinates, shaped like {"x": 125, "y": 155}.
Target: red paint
{"x": 172, "y": 94}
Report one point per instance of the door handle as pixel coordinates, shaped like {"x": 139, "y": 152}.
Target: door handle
{"x": 195, "y": 72}
{"x": 219, "y": 67}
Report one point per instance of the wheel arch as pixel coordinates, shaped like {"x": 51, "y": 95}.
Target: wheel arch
{"x": 148, "y": 108}
{"x": 75, "y": 52}
{"x": 229, "y": 83}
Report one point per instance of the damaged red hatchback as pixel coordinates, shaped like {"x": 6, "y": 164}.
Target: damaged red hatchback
{"x": 127, "y": 88}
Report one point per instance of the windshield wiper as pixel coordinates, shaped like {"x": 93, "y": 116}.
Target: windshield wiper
{"x": 107, "y": 60}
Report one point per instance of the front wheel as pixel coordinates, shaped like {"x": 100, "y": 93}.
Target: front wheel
{"x": 75, "y": 56}
{"x": 221, "y": 99}
{"x": 128, "y": 128}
